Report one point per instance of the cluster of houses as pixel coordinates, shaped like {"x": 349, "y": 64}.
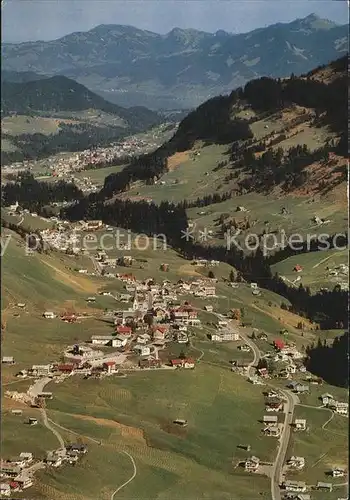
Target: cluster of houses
{"x": 296, "y": 490}
{"x": 154, "y": 319}
{"x": 342, "y": 408}
{"x": 17, "y": 473}
{"x": 64, "y": 166}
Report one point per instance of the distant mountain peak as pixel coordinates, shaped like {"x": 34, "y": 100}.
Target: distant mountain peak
{"x": 312, "y": 17}
{"x": 181, "y": 68}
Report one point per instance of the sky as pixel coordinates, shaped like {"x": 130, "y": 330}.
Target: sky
{"x": 29, "y": 20}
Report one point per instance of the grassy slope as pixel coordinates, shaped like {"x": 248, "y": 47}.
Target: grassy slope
{"x": 314, "y": 273}
{"x": 222, "y": 409}
{"x": 221, "y": 413}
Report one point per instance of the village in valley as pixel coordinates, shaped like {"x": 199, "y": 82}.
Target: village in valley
{"x": 157, "y": 317}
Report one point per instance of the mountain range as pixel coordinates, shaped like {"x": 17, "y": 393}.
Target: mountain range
{"x": 182, "y": 68}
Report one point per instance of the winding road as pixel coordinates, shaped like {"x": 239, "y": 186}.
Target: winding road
{"x": 130, "y": 479}
{"x": 291, "y": 401}
{"x": 33, "y": 391}
{"x": 49, "y": 426}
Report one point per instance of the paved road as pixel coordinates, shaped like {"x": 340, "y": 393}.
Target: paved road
{"x": 38, "y": 386}
{"x": 130, "y": 479}
{"x": 73, "y": 432}
{"x": 291, "y": 400}
{"x": 276, "y": 475}
{"x": 49, "y": 426}
{"x": 33, "y": 391}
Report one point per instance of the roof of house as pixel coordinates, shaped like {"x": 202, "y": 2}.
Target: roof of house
{"x": 279, "y": 343}
{"x": 321, "y": 484}
{"x": 295, "y": 483}
{"x": 102, "y": 337}
{"x": 65, "y": 367}
{"x": 176, "y": 361}
{"x": 189, "y": 360}
{"x": 122, "y": 329}
{"x": 109, "y": 363}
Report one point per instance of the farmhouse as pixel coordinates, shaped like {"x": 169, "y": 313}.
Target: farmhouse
{"x": 209, "y": 308}
{"x": 143, "y": 339}
{"x": 66, "y": 368}
{"x": 300, "y": 424}
{"x": 297, "y": 486}
{"x": 8, "y": 360}
{"x": 150, "y": 363}
{"x": 5, "y": 489}
{"x": 183, "y": 363}
{"x": 224, "y": 336}
{"x": 45, "y": 395}
{"x": 181, "y": 422}
{"x": 26, "y": 456}
{"x": 270, "y": 419}
{"x": 10, "y": 470}
{"x": 24, "y": 482}
{"x": 41, "y": 370}
{"x": 274, "y": 431}
{"x": 159, "y": 332}
{"x": 274, "y": 404}
{"x": 208, "y": 291}
{"x": 181, "y": 337}
{"x": 78, "y": 448}
{"x": 301, "y": 389}
{"x": 119, "y": 341}
{"x": 296, "y": 462}
{"x": 327, "y": 399}
{"x": 297, "y": 268}
{"x": 338, "y": 472}
{"x": 93, "y": 225}
{"x": 278, "y": 344}
{"x": 124, "y": 297}
{"x": 244, "y": 348}
{"x": 321, "y": 486}
{"x": 109, "y": 366}
{"x": 263, "y": 372}
{"x": 142, "y": 350}
{"x": 252, "y": 464}
{"x": 340, "y": 408}
{"x": 124, "y": 330}
{"x": 17, "y": 412}
{"x": 49, "y": 315}
{"x": 222, "y": 323}
{"x": 53, "y": 459}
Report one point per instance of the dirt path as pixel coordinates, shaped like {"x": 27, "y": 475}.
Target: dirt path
{"x": 73, "y": 432}
{"x": 130, "y": 479}
{"x": 101, "y": 443}
{"x": 322, "y": 261}
{"x": 52, "y": 429}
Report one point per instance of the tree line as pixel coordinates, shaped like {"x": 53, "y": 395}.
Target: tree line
{"x": 331, "y": 362}
{"x": 34, "y": 195}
